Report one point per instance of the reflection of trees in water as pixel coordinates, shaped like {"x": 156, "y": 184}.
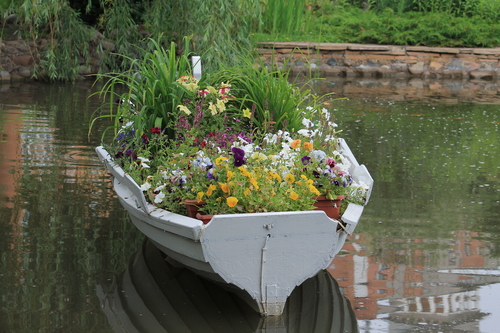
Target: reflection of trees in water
{"x": 65, "y": 228}
{"x": 447, "y": 91}
{"x": 435, "y": 168}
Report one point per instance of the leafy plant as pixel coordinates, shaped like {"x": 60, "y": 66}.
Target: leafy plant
{"x": 151, "y": 85}
{"x": 274, "y": 101}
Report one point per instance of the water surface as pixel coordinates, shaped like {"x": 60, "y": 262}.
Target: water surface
{"x": 424, "y": 257}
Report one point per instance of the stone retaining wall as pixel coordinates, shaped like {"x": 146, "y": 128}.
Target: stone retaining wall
{"x": 364, "y": 60}
{"x": 329, "y": 59}
{"x": 17, "y": 58}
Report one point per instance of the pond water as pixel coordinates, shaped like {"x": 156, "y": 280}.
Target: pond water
{"x": 425, "y": 257}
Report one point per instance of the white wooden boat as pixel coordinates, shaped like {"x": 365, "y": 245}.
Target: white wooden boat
{"x": 263, "y": 256}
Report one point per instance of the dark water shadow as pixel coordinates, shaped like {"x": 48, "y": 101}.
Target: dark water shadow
{"x": 152, "y": 295}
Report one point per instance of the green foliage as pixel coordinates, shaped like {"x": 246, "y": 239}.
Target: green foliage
{"x": 354, "y": 25}
{"x": 151, "y": 85}
{"x": 268, "y": 93}
{"x": 68, "y": 39}
{"x": 220, "y": 30}
{"x": 283, "y": 16}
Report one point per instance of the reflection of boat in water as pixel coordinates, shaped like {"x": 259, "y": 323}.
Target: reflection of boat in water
{"x": 256, "y": 253}
{"x": 154, "y": 295}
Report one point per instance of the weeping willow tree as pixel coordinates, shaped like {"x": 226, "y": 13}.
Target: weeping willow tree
{"x": 68, "y": 40}
{"x": 219, "y": 30}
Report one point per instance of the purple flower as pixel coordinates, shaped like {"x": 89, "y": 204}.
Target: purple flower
{"x": 306, "y": 160}
{"x": 239, "y": 156}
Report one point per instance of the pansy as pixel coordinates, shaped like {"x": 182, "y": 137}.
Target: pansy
{"x": 239, "y": 156}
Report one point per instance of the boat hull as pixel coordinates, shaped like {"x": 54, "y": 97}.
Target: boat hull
{"x": 264, "y": 256}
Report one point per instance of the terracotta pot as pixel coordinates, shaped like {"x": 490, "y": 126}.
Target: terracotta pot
{"x": 330, "y": 206}
{"x": 204, "y": 218}
{"x": 193, "y": 207}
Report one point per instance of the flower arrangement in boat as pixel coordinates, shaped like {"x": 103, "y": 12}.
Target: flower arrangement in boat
{"x": 229, "y": 146}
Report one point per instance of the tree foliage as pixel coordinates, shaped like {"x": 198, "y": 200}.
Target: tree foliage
{"x": 219, "y": 30}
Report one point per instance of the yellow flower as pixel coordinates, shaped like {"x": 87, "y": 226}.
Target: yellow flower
{"x": 211, "y": 189}
{"x": 192, "y": 86}
{"x": 247, "y": 113}
{"x": 221, "y": 106}
{"x": 294, "y": 196}
{"x": 290, "y": 178}
{"x": 276, "y": 176}
{"x": 229, "y": 175}
{"x": 314, "y": 190}
{"x": 219, "y": 160}
{"x": 184, "y": 109}
{"x": 212, "y": 108}
{"x": 224, "y": 187}
{"x": 295, "y": 144}
{"x": 199, "y": 196}
{"x": 211, "y": 89}
{"x": 308, "y": 146}
{"x": 254, "y": 183}
{"x": 231, "y": 201}
{"x": 244, "y": 171}
{"x": 247, "y": 191}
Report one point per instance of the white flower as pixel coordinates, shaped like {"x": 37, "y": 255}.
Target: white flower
{"x": 159, "y": 197}
{"x": 326, "y": 113}
{"x": 159, "y": 188}
{"x": 143, "y": 159}
{"x": 184, "y": 109}
{"x": 307, "y": 123}
{"x": 305, "y": 132}
{"x": 146, "y": 186}
{"x": 145, "y": 166}
{"x": 318, "y": 155}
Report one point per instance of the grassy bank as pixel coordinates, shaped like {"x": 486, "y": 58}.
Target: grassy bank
{"x": 338, "y": 22}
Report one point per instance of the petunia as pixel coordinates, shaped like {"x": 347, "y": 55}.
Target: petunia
{"x": 306, "y": 160}
{"x": 146, "y": 186}
{"x": 199, "y": 196}
{"x": 294, "y": 196}
{"x": 159, "y": 197}
{"x": 308, "y": 146}
{"x": 290, "y": 178}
